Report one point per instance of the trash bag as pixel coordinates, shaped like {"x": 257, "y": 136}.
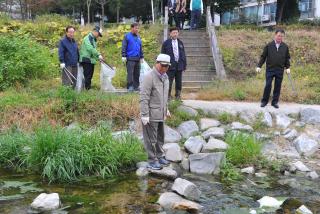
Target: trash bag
{"x": 106, "y": 75}
{"x": 144, "y": 70}
{"x": 80, "y": 79}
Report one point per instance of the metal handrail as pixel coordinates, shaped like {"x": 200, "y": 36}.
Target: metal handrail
{"x": 217, "y": 56}
{"x": 166, "y": 20}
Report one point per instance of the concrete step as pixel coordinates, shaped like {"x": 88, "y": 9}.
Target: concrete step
{"x": 196, "y": 84}
{"x": 195, "y": 40}
{"x": 199, "y": 77}
{"x": 195, "y": 45}
{"x": 200, "y": 68}
{"x": 198, "y": 51}
{"x": 199, "y": 54}
{"x": 206, "y": 60}
{"x": 193, "y": 33}
{"x": 196, "y": 73}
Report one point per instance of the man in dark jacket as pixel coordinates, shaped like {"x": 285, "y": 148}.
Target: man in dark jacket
{"x": 175, "y": 49}
{"x": 69, "y": 57}
{"x": 277, "y": 57}
{"x": 132, "y": 55}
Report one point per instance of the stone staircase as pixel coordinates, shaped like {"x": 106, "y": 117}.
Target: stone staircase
{"x": 200, "y": 69}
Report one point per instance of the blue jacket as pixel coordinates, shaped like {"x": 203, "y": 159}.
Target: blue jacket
{"x": 68, "y": 52}
{"x": 132, "y": 47}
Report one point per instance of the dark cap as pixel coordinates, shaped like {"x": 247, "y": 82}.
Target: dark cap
{"x": 98, "y": 29}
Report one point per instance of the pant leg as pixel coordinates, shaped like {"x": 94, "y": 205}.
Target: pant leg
{"x": 197, "y": 19}
{"x": 150, "y": 139}
{"x": 267, "y": 88}
{"x": 160, "y": 140}
{"x": 65, "y": 77}
{"x": 170, "y": 19}
{"x": 136, "y": 75}
{"x": 130, "y": 70}
{"x": 177, "y": 19}
{"x": 178, "y": 80}
{"x": 182, "y": 20}
{"x": 171, "y": 75}
{"x": 192, "y": 19}
{"x": 74, "y": 71}
{"x": 88, "y": 70}
{"x": 277, "y": 86}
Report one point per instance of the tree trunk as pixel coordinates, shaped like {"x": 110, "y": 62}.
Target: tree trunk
{"x": 88, "y": 9}
{"x": 118, "y": 14}
{"x": 281, "y": 11}
{"x": 102, "y": 16}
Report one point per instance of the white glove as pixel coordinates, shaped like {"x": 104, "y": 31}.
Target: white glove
{"x": 141, "y": 60}
{"x": 100, "y": 57}
{"x": 258, "y": 70}
{"x": 62, "y": 66}
{"x": 288, "y": 71}
{"x": 145, "y": 120}
{"x": 124, "y": 59}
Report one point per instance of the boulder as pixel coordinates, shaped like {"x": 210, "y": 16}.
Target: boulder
{"x": 300, "y": 166}
{"x": 241, "y": 127}
{"x": 215, "y": 132}
{"x": 142, "y": 172}
{"x": 189, "y": 128}
{"x": 121, "y": 134}
{"x": 46, "y": 202}
{"x": 267, "y": 201}
{"x": 172, "y": 201}
{"x": 186, "y": 188}
{"x": 248, "y": 170}
{"x": 267, "y": 119}
{"x": 260, "y": 175}
{"x": 206, "y": 123}
{"x": 206, "y": 163}
{"x": 188, "y": 110}
{"x": 248, "y": 116}
{"x": 303, "y": 210}
{"x": 291, "y": 134}
{"x": 171, "y": 135}
{"x": 166, "y": 172}
{"x": 172, "y": 152}
{"x": 313, "y": 175}
{"x": 214, "y": 145}
{"x": 142, "y": 164}
{"x": 185, "y": 164}
{"x": 310, "y": 116}
{"x": 305, "y": 145}
{"x": 194, "y": 144}
{"x": 290, "y": 153}
{"x": 283, "y": 121}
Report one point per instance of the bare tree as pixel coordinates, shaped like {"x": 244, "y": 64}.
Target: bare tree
{"x": 118, "y": 4}
{"x": 88, "y": 8}
{"x": 102, "y": 3}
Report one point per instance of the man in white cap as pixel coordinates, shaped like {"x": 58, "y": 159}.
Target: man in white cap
{"x": 154, "y": 111}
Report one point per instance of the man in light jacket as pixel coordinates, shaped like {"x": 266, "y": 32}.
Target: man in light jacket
{"x": 196, "y": 8}
{"x": 154, "y": 111}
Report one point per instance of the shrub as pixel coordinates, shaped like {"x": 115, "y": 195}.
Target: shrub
{"x": 22, "y": 59}
{"x": 239, "y": 95}
{"x": 225, "y": 117}
{"x": 243, "y": 148}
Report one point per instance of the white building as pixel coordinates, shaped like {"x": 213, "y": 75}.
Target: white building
{"x": 265, "y": 13}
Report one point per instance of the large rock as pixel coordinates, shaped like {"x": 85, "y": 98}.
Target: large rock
{"x": 305, "y": 145}
{"x": 291, "y": 134}
{"x": 185, "y": 164}
{"x": 267, "y": 201}
{"x": 171, "y": 135}
{"x": 142, "y": 172}
{"x": 172, "y": 201}
{"x": 194, "y": 144}
{"x": 214, "y": 145}
{"x": 311, "y": 116}
{"x": 46, "y": 202}
{"x": 248, "y": 116}
{"x": 283, "y": 121}
{"x": 206, "y": 163}
{"x": 313, "y": 175}
{"x": 215, "y": 132}
{"x": 241, "y": 127}
{"x": 172, "y": 152}
{"x": 300, "y": 166}
{"x": 248, "y": 170}
{"x": 166, "y": 172}
{"x": 267, "y": 119}
{"x": 303, "y": 210}
{"x": 186, "y": 188}
{"x": 206, "y": 123}
{"x": 290, "y": 152}
{"x": 188, "y": 110}
{"x": 189, "y": 128}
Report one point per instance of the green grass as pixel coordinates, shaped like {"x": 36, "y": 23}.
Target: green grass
{"x": 62, "y": 155}
{"x": 178, "y": 117}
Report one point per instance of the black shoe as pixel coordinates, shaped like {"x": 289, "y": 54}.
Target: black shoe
{"x": 163, "y": 162}
{"x": 263, "y": 105}
{"x": 275, "y": 105}
{"x": 154, "y": 165}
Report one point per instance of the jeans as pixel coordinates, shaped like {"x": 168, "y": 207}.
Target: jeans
{"x": 195, "y": 18}
{"x": 270, "y": 75}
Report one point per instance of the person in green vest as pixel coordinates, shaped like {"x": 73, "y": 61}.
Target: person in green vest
{"x": 196, "y": 8}
{"x": 89, "y": 55}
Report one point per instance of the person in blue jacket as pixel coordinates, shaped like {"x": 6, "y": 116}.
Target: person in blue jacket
{"x": 69, "y": 57}
{"x": 132, "y": 55}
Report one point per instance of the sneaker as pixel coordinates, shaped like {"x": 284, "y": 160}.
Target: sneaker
{"x": 164, "y": 162}
{"x": 154, "y": 165}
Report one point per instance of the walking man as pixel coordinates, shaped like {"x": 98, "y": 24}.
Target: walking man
{"x": 277, "y": 57}
{"x": 181, "y": 13}
{"x": 132, "y": 55}
{"x": 69, "y": 57}
{"x": 196, "y": 8}
{"x": 89, "y": 55}
{"x": 175, "y": 49}
{"x": 154, "y": 110}
{"x": 172, "y": 4}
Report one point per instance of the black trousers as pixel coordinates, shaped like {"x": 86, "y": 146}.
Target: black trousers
{"x": 88, "y": 70}
{"x": 270, "y": 75}
{"x": 180, "y": 20}
{"x": 133, "y": 74}
{"x": 176, "y": 75}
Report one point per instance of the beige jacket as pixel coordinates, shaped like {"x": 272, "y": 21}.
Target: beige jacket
{"x": 154, "y": 96}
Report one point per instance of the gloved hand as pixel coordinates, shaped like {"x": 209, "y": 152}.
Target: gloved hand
{"x": 141, "y": 60}
{"x": 145, "y": 120}
{"x": 100, "y": 57}
{"x": 124, "y": 59}
{"x": 168, "y": 113}
{"x": 62, "y": 66}
{"x": 288, "y": 71}
{"x": 258, "y": 70}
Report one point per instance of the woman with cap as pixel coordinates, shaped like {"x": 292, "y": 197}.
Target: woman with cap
{"x": 89, "y": 55}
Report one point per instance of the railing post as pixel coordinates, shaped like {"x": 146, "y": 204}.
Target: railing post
{"x": 166, "y": 17}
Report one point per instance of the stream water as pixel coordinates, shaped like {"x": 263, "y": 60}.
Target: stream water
{"x": 130, "y": 194}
